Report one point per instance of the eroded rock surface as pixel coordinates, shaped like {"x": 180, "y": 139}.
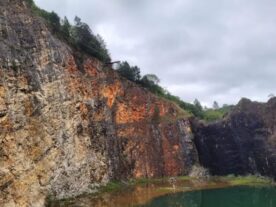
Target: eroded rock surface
{"x": 68, "y": 124}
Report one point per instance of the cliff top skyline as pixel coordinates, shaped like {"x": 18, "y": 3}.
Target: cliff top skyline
{"x": 213, "y": 51}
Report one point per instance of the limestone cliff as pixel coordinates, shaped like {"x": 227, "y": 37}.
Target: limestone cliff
{"x": 69, "y": 124}
{"x": 243, "y": 143}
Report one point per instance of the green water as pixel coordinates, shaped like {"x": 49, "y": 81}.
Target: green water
{"x": 227, "y": 197}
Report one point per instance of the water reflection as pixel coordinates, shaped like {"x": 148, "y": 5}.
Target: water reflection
{"x": 227, "y": 197}
{"x": 135, "y": 195}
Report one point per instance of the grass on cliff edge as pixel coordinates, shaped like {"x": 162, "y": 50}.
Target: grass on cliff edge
{"x": 246, "y": 180}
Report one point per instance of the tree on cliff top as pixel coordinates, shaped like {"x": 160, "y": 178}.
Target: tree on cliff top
{"x": 66, "y": 29}
{"x": 215, "y": 105}
{"x": 54, "y": 20}
{"x": 198, "y": 104}
{"x": 88, "y": 42}
{"x": 132, "y": 73}
{"x": 79, "y": 36}
{"x": 152, "y": 78}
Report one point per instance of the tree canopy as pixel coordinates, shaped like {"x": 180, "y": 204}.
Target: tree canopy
{"x": 84, "y": 39}
{"x": 215, "y": 105}
{"x": 132, "y": 73}
{"x": 78, "y": 35}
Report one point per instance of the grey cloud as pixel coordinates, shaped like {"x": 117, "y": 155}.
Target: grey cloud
{"x": 211, "y": 50}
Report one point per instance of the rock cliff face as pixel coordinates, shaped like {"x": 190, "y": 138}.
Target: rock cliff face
{"x": 68, "y": 124}
{"x": 243, "y": 143}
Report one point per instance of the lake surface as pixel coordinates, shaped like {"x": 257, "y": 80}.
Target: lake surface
{"x": 226, "y": 197}
{"x": 185, "y": 193}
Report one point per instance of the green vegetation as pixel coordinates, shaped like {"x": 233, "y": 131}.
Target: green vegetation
{"x": 119, "y": 185}
{"x": 217, "y": 113}
{"x": 83, "y": 38}
{"x": 112, "y": 186}
{"x": 246, "y": 180}
{"x": 79, "y": 36}
{"x": 213, "y": 115}
{"x": 131, "y": 73}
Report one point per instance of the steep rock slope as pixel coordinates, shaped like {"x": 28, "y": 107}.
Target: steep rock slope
{"x": 243, "y": 143}
{"x": 68, "y": 124}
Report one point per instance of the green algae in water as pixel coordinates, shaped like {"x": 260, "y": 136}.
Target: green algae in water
{"x": 227, "y": 197}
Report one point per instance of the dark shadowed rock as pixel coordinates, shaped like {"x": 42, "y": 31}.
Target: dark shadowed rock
{"x": 242, "y": 143}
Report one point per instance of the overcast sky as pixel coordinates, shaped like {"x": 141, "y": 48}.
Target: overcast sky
{"x": 211, "y": 50}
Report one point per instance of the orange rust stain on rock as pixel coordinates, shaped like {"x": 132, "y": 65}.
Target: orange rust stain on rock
{"x": 138, "y": 105}
{"x": 111, "y": 92}
{"x": 129, "y": 114}
{"x": 78, "y": 85}
{"x": 75, "y": 84}
{"x": 172, "y": 152}
{"x": 165, "y": 109}
{"x": 83, "y": 110}
{"x": 134, "y": 109}
{"x": 2, "y": 91}
{"x": 90, "y": 68}
{"x": 175, "y": 148}
{"x": 161, "y": 107}
{"x": 170, "y": 160}
{"x": 71, "y": 65}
